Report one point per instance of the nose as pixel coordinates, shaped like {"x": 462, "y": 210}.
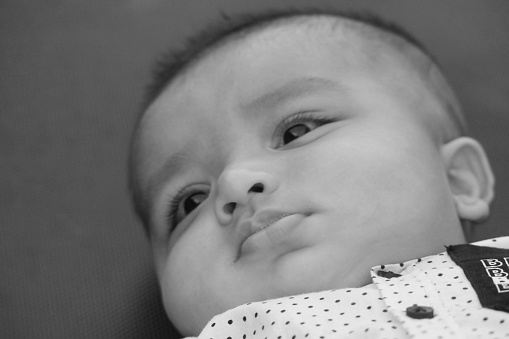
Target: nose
{"x": 237, "y": 186}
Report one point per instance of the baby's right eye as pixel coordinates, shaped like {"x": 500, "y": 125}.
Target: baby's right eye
{"x": 183, "y": 204}
{"x": 192, "y": 201}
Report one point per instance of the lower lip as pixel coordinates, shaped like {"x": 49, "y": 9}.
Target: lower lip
{"x": 274, "y": 234}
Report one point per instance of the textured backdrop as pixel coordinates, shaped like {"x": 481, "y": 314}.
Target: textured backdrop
{"x": 74, "y": 262}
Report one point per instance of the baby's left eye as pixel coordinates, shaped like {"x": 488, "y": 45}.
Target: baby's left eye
{"x": 297, "y": 126}
{"x": 295, "y": 132}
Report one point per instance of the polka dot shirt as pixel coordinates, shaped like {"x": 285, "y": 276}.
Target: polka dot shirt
{"x": 378, "y": 310}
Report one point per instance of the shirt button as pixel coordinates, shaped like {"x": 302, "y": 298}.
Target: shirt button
{"x": 420, "y": 312}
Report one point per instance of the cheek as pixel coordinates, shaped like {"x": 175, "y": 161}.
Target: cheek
{"x": 178, "y": 270}
{"x": 187, "y": 261}
{"x": 376, "y": 174}
{"x": 183, "y": 283}
{"x": 195, "y": 266}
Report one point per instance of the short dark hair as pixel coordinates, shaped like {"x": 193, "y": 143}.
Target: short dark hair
{"x": 171, "y": 64}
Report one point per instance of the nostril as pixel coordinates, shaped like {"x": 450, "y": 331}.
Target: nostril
{"x": 229, "y": 207}
{"x": 257, "y": 188}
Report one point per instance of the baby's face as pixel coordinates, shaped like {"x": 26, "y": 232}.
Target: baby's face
{"x": 293, "y": 167}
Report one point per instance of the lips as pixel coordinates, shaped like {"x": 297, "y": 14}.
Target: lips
{"x": 265, "y": 219}
{"x": 258, "y": 233}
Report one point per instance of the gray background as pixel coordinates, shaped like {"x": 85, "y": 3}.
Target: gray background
{"x": 74, "y": 262}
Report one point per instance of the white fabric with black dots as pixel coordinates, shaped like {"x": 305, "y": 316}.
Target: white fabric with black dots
{"x": 377, "y": 310}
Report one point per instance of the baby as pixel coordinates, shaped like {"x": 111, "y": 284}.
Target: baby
{"x": 295, "y": 153}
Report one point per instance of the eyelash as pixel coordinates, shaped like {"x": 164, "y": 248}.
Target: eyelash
{"x": 300, "y": 117}
{"x": 171, "y": 216}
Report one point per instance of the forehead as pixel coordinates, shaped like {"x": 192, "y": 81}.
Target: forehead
{"x": 274, "y": 51}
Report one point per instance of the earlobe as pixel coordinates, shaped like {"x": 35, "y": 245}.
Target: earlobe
{"x": 470, "y": 178}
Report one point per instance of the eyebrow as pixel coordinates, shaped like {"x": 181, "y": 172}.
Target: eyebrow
{"x": 292, "y": 89}
{"x": 173, "y": 164}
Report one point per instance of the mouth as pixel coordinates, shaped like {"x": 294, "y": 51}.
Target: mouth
{"x": 266, "y": 229}
{"x": 272, "y": 221}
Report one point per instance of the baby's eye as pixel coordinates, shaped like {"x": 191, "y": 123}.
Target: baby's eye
{"x": 295, "y": 132}
{"x": 297, "y": 126}
{"x": 192, "y": 201}
{"x": 183, "y": 205}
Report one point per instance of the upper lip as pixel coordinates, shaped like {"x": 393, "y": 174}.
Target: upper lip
{"x": 257, "y": 222}
{"x": 263, "y": 219}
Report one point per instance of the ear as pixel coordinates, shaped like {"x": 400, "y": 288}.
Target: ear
{"x": 470, "y": 178}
